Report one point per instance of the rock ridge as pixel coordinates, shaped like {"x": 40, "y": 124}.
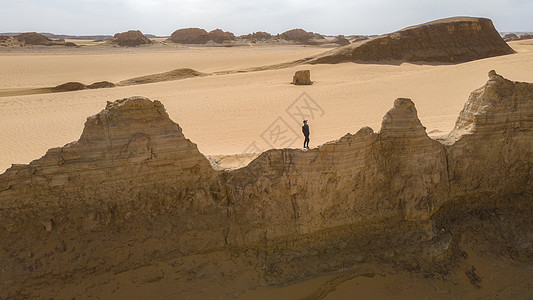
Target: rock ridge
{"x": 133, "y": 192}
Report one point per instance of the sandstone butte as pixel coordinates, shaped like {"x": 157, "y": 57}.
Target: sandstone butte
{"x": 132, "y": 38}
{"x": 450, "y": 40}
{"x": 134, "y": 194}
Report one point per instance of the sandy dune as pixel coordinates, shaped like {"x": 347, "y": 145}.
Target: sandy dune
{"x": 230, "y": 114}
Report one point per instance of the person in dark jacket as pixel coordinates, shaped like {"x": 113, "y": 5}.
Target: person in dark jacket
{"x": 305, "y": 130}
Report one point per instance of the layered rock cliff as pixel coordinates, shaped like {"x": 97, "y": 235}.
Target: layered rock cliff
{"x": 134, "y": 194}
{"x": 451, "y": 40}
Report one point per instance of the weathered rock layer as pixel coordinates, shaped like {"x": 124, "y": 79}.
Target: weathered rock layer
{"x": 451, "y": 40}
{"x": 134, "y": 193}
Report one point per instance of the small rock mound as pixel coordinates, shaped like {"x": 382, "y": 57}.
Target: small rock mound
{"x": 301, "y": 36}
{"x": 78, "y": 86}
{"x": 101, "y": 85}
{"x": 33, "y": 38}
{"x": 189, "y": 36}
{"x": 69, "y": 87}
{"x": 132, "y": 38}
{"x": 257, "y": 36}
{"x": 341, "y": 40}
{"x": 302, "y": 77}
{"x": 200, "y": 36}
{"x": 451, "y": 40}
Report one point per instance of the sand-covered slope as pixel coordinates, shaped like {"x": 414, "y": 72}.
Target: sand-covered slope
{"x": 451, "y": 40}
{"x": 133, "y": 198}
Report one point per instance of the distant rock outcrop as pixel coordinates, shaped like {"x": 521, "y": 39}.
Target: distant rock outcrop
{"x": 301, "y": 36}
{"x": 302, "y": 77}
{"x": 220, "y": 36}
{"x": 189, "y": 36}
{"x": 33, "y": 39}
{"x": 452, "y": 40}
{"x": 341, "y": 40}
{"x": 134, "y": 198}
{"x": 257, "y": 36}
{"x": 514, "y": 37}
{"x": 132, "y": 38}
{"x": 510, "y": 37}
{"x": 200, "y": 36}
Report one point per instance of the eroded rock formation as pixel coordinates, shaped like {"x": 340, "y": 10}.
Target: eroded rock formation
{"x": 132, "y": 38}
{"x": 257, "y": 36}
{"x": 341, "y": 40}
{"x": 33, "y": 39}
{"x": 134, "y": 194}
{"x": 220, "y": 36}
{"x": 200, "y": 36}
{"x": 78, "y": 86}
{"x": 302, "y": 77}
{"x": 514, "y": 37}
{"x": 189, "y": 36}
{"x": 301, "y": 36}
{"x": 451, "y": 40}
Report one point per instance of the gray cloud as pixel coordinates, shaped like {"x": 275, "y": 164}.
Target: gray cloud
{"x": 240, "y": 16}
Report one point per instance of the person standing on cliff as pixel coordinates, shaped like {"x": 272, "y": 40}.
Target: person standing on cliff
{"x": 305, "y": 130}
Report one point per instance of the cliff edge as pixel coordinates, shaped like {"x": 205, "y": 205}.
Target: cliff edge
{"x": 134, "y": 201}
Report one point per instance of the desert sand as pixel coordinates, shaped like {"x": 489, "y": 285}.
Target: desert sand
{"x": 227, "y": 114}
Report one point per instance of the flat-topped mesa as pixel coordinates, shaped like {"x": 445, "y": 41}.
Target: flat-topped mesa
{"x": 450, "y": 40}
{"x": 131, "y": 142}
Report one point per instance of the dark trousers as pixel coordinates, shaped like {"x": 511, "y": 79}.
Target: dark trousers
{"x": 306, "y": 142}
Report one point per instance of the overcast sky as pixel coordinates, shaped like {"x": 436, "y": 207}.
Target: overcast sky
{"x": 162, "y": 17}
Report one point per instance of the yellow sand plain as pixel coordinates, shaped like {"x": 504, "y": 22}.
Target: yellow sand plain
{"x": 232, "y": 113}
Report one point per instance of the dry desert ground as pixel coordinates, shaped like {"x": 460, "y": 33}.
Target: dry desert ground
{"x": 229, "y": 113}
